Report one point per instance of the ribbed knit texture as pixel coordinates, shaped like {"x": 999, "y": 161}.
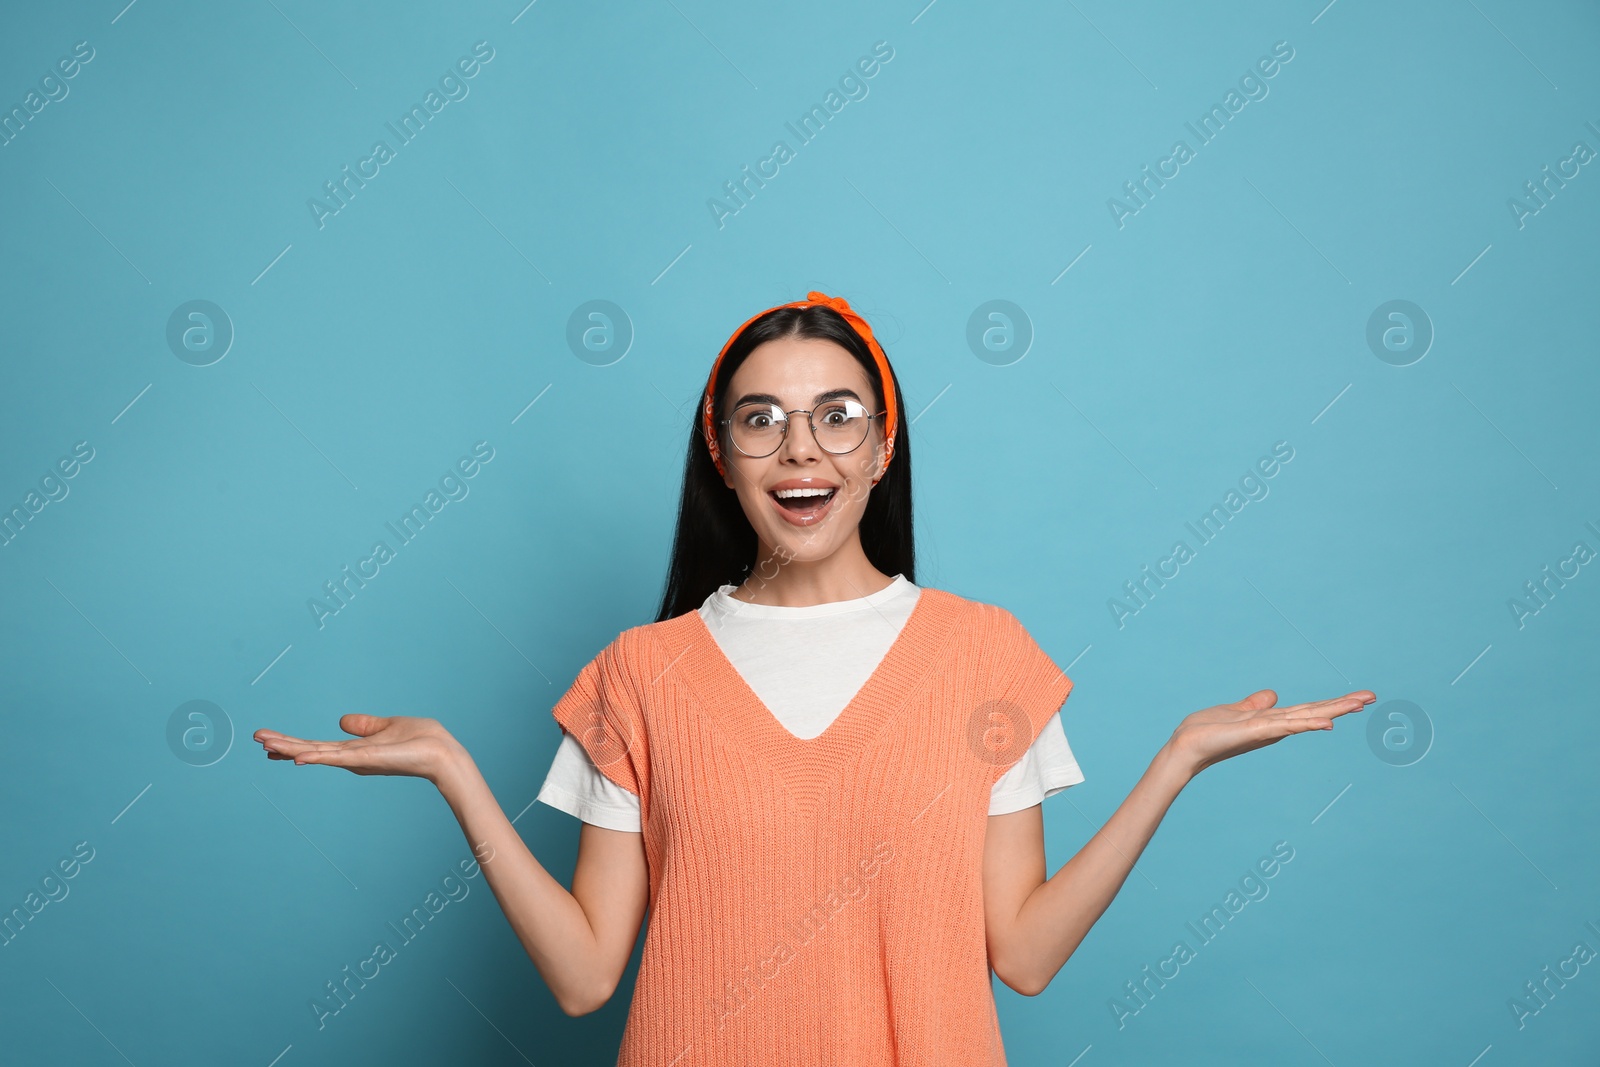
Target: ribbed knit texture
{"x": 816, "y": 901}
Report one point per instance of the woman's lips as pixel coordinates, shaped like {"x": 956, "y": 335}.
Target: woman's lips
{"x": 809, "y": 519}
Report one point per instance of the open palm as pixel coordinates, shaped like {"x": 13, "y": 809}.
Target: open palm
{"x": 397, "y": 744}
{"x": 1226, "y": 730}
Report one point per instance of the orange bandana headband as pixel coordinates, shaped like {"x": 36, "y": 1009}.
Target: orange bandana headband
{"x": 857, "y": 323}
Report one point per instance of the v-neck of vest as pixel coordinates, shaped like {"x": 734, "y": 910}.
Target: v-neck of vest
{"x": 914, "y": 650}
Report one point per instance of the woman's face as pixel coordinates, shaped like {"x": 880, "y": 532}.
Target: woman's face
{"x": 802, "y": 373}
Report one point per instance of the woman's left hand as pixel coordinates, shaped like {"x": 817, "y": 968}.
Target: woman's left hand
{"x": 1215, "y": 734}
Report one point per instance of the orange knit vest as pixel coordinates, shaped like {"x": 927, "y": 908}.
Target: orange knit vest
{"x": 816, "y": 901}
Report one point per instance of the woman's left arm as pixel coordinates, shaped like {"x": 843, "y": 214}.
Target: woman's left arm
{"x": 1034, "y": 924}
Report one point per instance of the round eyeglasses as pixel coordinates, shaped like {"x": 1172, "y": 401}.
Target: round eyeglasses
{"x": 839, "y": 426}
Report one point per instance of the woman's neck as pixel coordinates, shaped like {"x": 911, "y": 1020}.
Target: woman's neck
{"x": 804, "y": 583}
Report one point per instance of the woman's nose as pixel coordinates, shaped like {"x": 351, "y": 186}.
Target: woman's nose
{"x": 798, "y": 440}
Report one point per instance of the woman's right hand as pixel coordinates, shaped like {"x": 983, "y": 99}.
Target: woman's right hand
{"x": 397, "y": 744}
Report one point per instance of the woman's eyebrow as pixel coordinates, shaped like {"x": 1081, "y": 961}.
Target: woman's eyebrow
{"x": 820, "y": 398}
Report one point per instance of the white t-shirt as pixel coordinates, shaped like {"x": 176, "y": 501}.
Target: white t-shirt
{"x": 805, "y": 664}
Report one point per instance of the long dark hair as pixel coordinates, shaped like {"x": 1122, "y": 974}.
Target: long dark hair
{"x": 714, "y": 544}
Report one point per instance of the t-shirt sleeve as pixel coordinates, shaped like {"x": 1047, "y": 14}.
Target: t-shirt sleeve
{"x": 576, "y": 786}
{"x": 1046, "y": 769}
{"x": 1023, "y": 687}
{"x": 601, "y": 710}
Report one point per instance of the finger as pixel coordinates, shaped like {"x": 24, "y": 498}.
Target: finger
{"x": 318, "y": 746}
{"x": 362, "y": 725}
{"x": 1340, "y": 705}
{"x": 1279, "y": 727}
{"x": 294, "y": 749}
{"x": 1313, "y": 713}
{"x": 332, "y": 757}
{"x": 1259, "y": 700}
{"x": 1298, "y": 719}
{"x": 307, "y": 741}
{"x": 1361, "y": 698}
{"x": 264, "y": 736}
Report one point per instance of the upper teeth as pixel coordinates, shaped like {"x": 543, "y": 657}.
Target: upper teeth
{"x": 787, "y": 493}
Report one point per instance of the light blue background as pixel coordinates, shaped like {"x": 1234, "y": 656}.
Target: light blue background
{"x": 1228, "y": 314}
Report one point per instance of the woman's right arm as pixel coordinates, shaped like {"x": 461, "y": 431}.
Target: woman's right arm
{"x": 580, "y": 941}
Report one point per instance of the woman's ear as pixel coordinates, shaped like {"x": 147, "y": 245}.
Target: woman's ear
{"x": 880, "y": 465}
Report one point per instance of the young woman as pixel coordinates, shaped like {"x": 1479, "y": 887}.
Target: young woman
{"x": 822, "y": 780}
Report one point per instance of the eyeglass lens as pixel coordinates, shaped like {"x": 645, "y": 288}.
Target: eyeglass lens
{"x": 839, "y": 426}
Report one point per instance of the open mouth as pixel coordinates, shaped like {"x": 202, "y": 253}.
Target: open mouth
{"x": 806, "y": 505}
